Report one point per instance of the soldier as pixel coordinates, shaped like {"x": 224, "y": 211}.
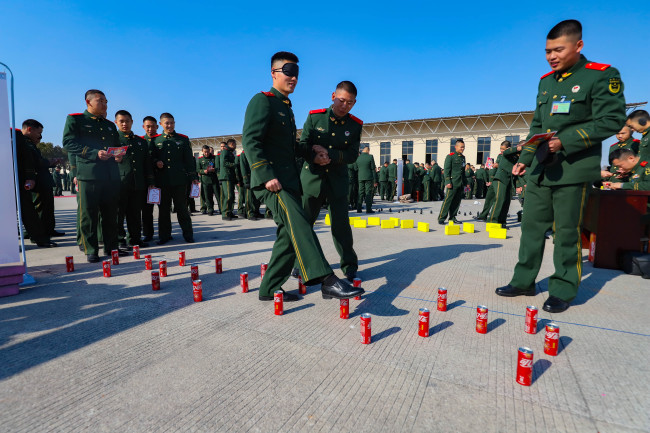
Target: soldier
{"x": 625, "y": 140}
{"x": 58, "y": 181}
{"x": 353, "y": 188}
{"x": 436, "y": 181}
{"x": 481, "y": 179}
{"x": 269, "y": 141}
{"x": 367, "y": 179}
{"x": 407, "y": 175}
{"x": 502, "y": 181}
{"x": 241, "y": 189}
{"x": 383, "y": 181}
{"x": 150, "y": 126}
{"x": 426, "y": 182}
{"x": 136, "y": 173}
{"x": 630, "y": 164}
{"x": 217, "y": 185}
{"x": 228, "y": 179}
{"x": 392, "y": 178}
{"x": 471, "y": 177}
{"x": 88, "y": 136}
{"x": 489, "y": 198}
{"x": 639, "y": 121}
{"x": 583, "y": 101}
{"x": 251, "y": 203}
{"x": 206, "y": 168}
{"x": 416, "y": 189}
{"x": 455, "y": 182}
{"x": 171, "y": 154}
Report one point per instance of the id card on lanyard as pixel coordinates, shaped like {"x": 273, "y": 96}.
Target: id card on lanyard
{"x": 561, "y": 106}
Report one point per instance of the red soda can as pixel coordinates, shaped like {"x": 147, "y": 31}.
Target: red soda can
{"x": 69, "y": 264}
{"x": 243, "y": 282}
{"x": 155, "y": 280}
{"x": 136, "y": 252}
{"x": 481, "y": 319}
{"x": 106, "y": 265}
{"x": 531, "y": 320}
{"x": 181, "y": 258}
{"x": 263, "y": 268}
{"x": 194, "y": 271}
{"x": 162, "y": 266}
{"x": 197, "y": 289}
{"x": 442, "y": 299}
{"x": 278, "y": 302}
{"x": 552, "y": 339}
{"x": 302, "y": 289}
{"x": 423, "y": 325}
{"x": 217, "y": 265}
{"x": 345, "y": 309}
{"x": 148, "y": 263}
{"x": 366, "y": 329}
{"x": 115, "y": 255}
{"x": 357, "y": 283}
{"x": 525, "y": 366}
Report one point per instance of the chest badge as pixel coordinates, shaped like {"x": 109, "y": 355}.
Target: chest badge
{"x": 281, "y": 113}
{"x": 320, "y": 129}
{"x": 179, "y": 143}
{"x": 575, "y": 89}
{"x": 347, "y": 133}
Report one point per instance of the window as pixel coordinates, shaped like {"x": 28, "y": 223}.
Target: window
{"x": 363, "y": 145}
{"x": 384, "y": 152}
{"x": 453, "y": 144}
{"x": 513, "y": 139}
{"x": 483, "y": 149}
{"x": 407, "y": 150}
{"x": 431, "y": 151}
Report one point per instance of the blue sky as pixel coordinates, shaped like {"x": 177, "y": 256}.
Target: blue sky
{"x": 204, "y": 62}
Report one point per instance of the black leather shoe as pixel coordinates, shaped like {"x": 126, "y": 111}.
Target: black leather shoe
{"x": 189, "y": 240}
{"x": 147, "y": 239}
{"x": 46, "y": 244}
{"x": 55, "y": 233}
{"x": 203, "y": 212}
{"x": 441, "y": 222}
{"x": 122, "y": 245}
{"x": 81, "y": 248}
{"x": 555, "y": 305}
{"x": 163, "y": 241}
{"x": 227, "y": 218}
{"x": 456, "y": 221}
{"x": 370, "y": 211}
{"x": 295, "y": 273}
{"x": 123, "y": 253}
{"x": 141, "y": 244}
{"x": 351, "y": 275}
{"x": 332, "y": 287}
{"x": 92, "y": 258}
{"x": 511, "y": 291}
{"x": 252, "y": 218}
{"x": 286, "y": 297}
{"x": 211, "y": 213}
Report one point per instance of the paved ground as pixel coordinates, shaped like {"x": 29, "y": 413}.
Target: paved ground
{"x": 79, "y": 352}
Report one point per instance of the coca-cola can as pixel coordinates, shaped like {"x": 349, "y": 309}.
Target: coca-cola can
{"x": 442, "y": 299}
{"x": 525, "y": 366}
{"x": 162, "y": 267}
{"x": 155, "y": 280}
{"x": 136, "y": 252}
{"x": 423, "y": 322}
{"x": 194, "y": 272}
{"x": 69, "y": 264}
{"x": 106, "y": 266}
{"x": 243, "y": 282}
{"x": 552, "y": 339}
{"x": 115, "y": 255}
{"x": 278, "y": 303}
{"x": 217, "y": 265}
{"x": 481, "y": 319}
{"x": 263, "y": 268}
{"x": 357, "y": 283}
{"x": 366, "y": 329}
{"x": 345, "y": 309}
{"x": 302, "y": 289}
{"x": 181, "y": 258}
{"x": 148, "y": 262}
{"x": 197, "y": 290}
{"x": 531, "y": 320}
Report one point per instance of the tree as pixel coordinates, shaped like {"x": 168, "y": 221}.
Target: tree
{"x": 50, "y": 151}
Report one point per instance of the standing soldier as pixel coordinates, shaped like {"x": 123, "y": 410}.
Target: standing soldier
{"x": 407, "y": 174}
{"x": 639, "y": 121}
{"x": 353, "y": 188}
{"x": 217, "y": 185}
{"x": 416, "y": 189}
{"x": 470, "y": 176}
{"x": 57, "y": 178}
{"x": 455, "y": 182}
{"x": 436, "y": 181}
{"x": 206, "y": 168}
{"x": 252, "y": 204}
{"x": 136, "y": 173}
{"x": 481, "y": 179}
{"x": 171, "y": 153}
{"x": 392, "y": 178}
{"x": 227, "y": 178}
{"x": 88, "y": 136}
{"x": 269, "y": 140}
{"x": 383, "y": 181}
{"x": 426, "y": 182}
{"x": 241, "y": 190}
{"x": 583, "y": 101}
{"x": 150, "y": 127}
{"x": 503, "y": 184}
{"x": 367, "y": 179}
{"x": 490, "y": 196}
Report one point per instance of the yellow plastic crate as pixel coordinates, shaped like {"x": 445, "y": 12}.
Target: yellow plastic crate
{"x": 490, "y": 226}
{"x": 452, "y": 230}
{"x": 387, "y": 224}
{"x": 468, "y": 227}
{"x": 395, "y": 221}
{"x": 360, "y": 224}
{"x": 423, "y": 227}
{"x": 498, "y": 233}
{"x": 407, "y": 224}
{"x": 374, "y": 221}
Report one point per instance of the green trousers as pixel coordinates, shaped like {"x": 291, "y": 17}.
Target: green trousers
{"x": 451, "y": 204}
{"x": 43, "y": 199}
{"x": 435, "y": 191}
{"x": 563, "y": 208}
{"x": 241, "y": 200}
{"x": 129, "y": 208}
{"x": 252, "y": 204}
{"x": 97, "y": 197}
{"x": 177, "y": 194}
{"x": 469, "y": 193}
{"x": 427, "y": 190}
{"x": 366, "y": 189}
{"x": 353, "y": 192}
{"x": 489, "y": 201}
{"x": 207, "y": 197}
{"x": 498, "y": 211}
{"x": 227, "y": 197}
{"x": 295, "y": 242}
{"x": 383, "y": 190}
{"x": 30, "y": 218}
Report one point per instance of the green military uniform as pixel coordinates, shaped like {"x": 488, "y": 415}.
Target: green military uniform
{"x": 638, "y": 178}
{"x": 136, "y": 173}
{"x": 436, "y": 182}
{"x": 383, "y": 182}
{"x": 208, "y": 180}
{"x": 353, "y": 187}
{"x": 454, "y": 175}
{"x": 269, "y": 140}
{"x": 407, "y": 174}
{"x": 367, "y": 179}
{"x": 426, "y": 185}
{"x": 644, "y": 146}
{"x": 251, "y": 203}
{"x": 392, "y": 177}
{"x": 217, "y": 185}
{"x": 502, "y": 187}
{"x": 418, "y": 173}
{"x": 147, "y": 209}
{"x": 470, "y": 176}
{"x": 73, "y": 188}
{"x": 58, "y": 184}
{"x": 630, "y": 143}
{"x": 241, "y": 189}
{"x": 228, "y": 179}
{"x": 175, "y": 152}
{"x": 481, "y": 180}
{"x": 489, "y": 198}
{"x": 84, "y": 135}
{"x": 341, "y": 138}
{"x": 557, "y": 192}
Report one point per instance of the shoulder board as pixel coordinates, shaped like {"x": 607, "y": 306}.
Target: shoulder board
{"x": 615, "y": 144}
{"x": 356, "y": 119}
{"x": 242, "y": 152}
{"x": 268, "y": 93}
{"x": 644, "y": 163}
{"x": 75, "y": 114}
{"x": 597, "y": 66}
{"x": 182, "y": 135}
{"x": 219, "y": 154}
{"x": 546, "y": 75}
{"x": 142, "y": 136}
{"x": 200, "y": 156}
{"x": 322, "y": 110}
{"x": 157, "y": 135}
{"x": 451, "y": 153}
{"x": 636, "y": 141}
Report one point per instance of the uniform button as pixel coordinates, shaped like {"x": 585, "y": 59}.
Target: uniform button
{"x": 336, "y": 123}
{"x": 548, "y": 130}
{"x": 560, "y": 80}
{"x": 573, "y": 100}
{"x": 319, "y": 136}
{"x": 551, "y": 114}
{"x": 327, "y": 170}
{"x": 103, "y": 138}
{"x": 333, "y": 134}
{"x": 168, "y": 159}
{"x": 346, "y": 142}
{"x": 330, "y": 147}
{"x": 554, "y": 96}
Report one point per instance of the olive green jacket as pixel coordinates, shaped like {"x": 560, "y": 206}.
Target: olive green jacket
{"x": 639, "y": 179}
{"x": 367, "y": 169}
{"x": 392, "y": 172}
{"x": 227, "y": 166}
{"x": 455, "y": 170}
{"x": 175, "y": 152}
{"x": 202, "y": 164}
{"x": 136, "y": 169}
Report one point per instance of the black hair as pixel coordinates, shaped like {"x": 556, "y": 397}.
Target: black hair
{"x": 506, "y": 143}
{"x": 620, "y": 154}
{"x": 284, "y": 55}
{"x": 166, "y": 116}
{"x": 571, "y": 28}
{"x": 348, "y": 86}
{"x": 93, "y": 92}
{"x": 150, "y": 118}
{"x": 31, "y": 123}
{"x": 205, "y": 146}
{"x": 123, "y": 113}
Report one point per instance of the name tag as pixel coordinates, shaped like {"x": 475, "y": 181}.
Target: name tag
{"x": 561, "y": 107}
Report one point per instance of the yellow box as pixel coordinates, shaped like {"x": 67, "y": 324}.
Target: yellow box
{"x": 353, "y": 219}
{"x": 327, "y": 219}
{"x": 423, "y": 227}
{"x": 498, "y": 233}
{"x": 360, "y": 224}
{"x": 387, "y": 224}
{"x": 452, "y": 230}
{"x": 490, "y": 226}
{"x": 395, "y": 221}
{"x": 374, "y": 221}
{"x": 468, "y": 227}
{"x": 407, "y": 224}
{"x": 451, "y": 223}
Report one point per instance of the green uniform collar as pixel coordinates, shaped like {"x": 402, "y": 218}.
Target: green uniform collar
{"x": 170, "y": 135}
{"x": 564, "y": 75}
{"x": 278, "y": 94}
{"x": 92, "y": 116}
{"x": 126, "y": 134}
